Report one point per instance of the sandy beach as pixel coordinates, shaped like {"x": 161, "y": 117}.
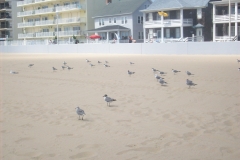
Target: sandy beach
{"x": 147, "y": 122}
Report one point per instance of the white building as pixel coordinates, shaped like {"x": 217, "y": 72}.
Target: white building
{"x": 183, "y": 18}
{"x": 222, "y": 19}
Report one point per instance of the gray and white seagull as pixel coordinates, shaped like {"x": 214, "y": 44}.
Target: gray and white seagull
{"x": 30, "y": 65}
{"x": 54, "y": 69}
{"x": 108, "y": 99}
{"x": 190, "y": 83}
{"x": 189, "y": 73}
{"x": 80, "y": 112}
{"x": 130, "y": 73}
{"x": 175, "y": 71}
{"x": 162, "y": 82}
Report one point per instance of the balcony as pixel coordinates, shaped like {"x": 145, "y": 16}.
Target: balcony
{"x": 225, "y": 18}
{"x": 44, "y": 11}
{"x": 25, "y": 13}
{"x": 69, "y": 33}
{"x": 44, "y": 34}
{"x": 68, "y": 7}
{"x": 26, "y": 35}
{"x": 71, "y": 20}
{"x": 25, "y": 2}
{"x": 5, "y": 17}
{"x": 26, "y": 24}
{"x": 44, "y": 23}
{"x": 5, "y": 26}
{"x": 169, "y": 23}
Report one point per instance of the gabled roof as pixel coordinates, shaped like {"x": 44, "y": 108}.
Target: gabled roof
{"x": 109, "y": 28}
{"x": 161, "y": 5}
{"x": 119, "y": 8}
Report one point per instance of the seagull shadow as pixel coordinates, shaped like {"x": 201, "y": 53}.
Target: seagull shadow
{"x": 113, "y": 106}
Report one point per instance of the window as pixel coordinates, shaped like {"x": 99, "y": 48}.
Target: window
{"x": 66, "y": 29}
{"x": 115, "y": 20}
{"x": 45, "y": 30}
{"x": 37, "y": 19}
{"x": 30, "y": 20}
{"x": 125, "y": 18}
{"x": 140, "y": 20}
{"x": 59, "y": 29}
{"x": 177, "y": 32}
{"x": 77, "y": 28}
{"x": 43, "y": 7}
{"x": 110, "y": 20}
{"x": 167, "y": 33}
{"x": 100, "y": 23}
{"x": 66, "y": 4}
{"x": 124, "y": 35}
{"x": 44, "y": 18}
{"x": 122, "y": 20}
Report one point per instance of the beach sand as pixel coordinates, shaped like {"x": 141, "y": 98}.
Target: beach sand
{"x": 147, "y": 122}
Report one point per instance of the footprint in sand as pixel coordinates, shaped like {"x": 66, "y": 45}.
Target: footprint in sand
{"x": 82, "y": 155}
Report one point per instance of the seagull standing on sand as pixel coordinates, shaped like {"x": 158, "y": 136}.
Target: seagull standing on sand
{"x": 131, "y": 63}
{"x": 161, "y": 81}
{"x": 106, "y": 61}
{"x": 189, "y": 73}
{"x": 154, "y": 70}
{"x": 238, "y": 69}
{"x": 190, "y": 83}
{"x": 158, "y": 77}
{"x": 63, "y": 67}
{"x": 105, "y": 65}
{"x": 175, "y": 71}
{"x": 54, "y": 69}
{"x": 238, "y": 60}
{"x": 160, "y": 72}
{"x": 30, "y": 65}
{"x": 99, "y": 62}
{"x": 64, "y": 63}
{"x": 91, "y": 65}
{"x": 87, "y": 60}
{"x": 69, "y": 68}
{"x": 80, "y": 112}
{"x": 13, "y": 72}
{"x": 108, "y": 99}
{"x": 130, "y": 73}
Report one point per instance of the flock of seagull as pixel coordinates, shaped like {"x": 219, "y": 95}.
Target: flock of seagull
{"x": 107, "y": 99}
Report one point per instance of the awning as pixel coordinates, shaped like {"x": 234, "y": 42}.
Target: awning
{"x": 110, "y": 29}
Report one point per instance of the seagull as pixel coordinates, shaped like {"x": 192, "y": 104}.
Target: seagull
{"x": 54, "y": 69}
{"x": 91, "y": 65}
{"x": 238, "y": 60}
{"x": 69, "y": 68}
{"x": 108, "y": 99}
{"x": 80, "y": 112}
{"x": 13, "y": 72}
{"x": 64, "y": 63}
{"x": 106, "y": 61}
{"x": 175, "y": 71}
{"x": 238, "y": 69}
{"x": 160, "y": 72}
{"x": 190, "y": 83}
{"x": 30, "y": 65}
{"x": 63, "y": 67}
{"x": 189, "y": 73}
{"x": 158, "y": 77}
{"x": 162, "y": 81}
{"x": 105, "y": 65}
{"x": 87, "y": 60}
{"x": 130, "y": 73}
{"x": 99, "y": 62}
{"x": 131, "y": 63}
{"x": 154, "y": 70}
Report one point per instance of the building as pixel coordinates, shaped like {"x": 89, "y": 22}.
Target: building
{"x": 8, "y": 20}
{"x": 118, "y": 20}
{"x": 179, "y": 20}
{"x": 57, "y": 21}
{"x": 222, "y": 19}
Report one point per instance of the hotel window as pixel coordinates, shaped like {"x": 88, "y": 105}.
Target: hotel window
{"x": 100, "y": 23}
{"x": 115, "y": 20}
{"x": 140, "y": 35}
{"x": 110, "y": 20}
{"x": 167, "y": 33}
{"x": 177, "y": 32}
{"x": 76, "y": 28}
{"x": 37, "y": 19}
{"x": 122, "y": 20}
{"x": 45, "y": 30}
{"x": 44, "y": 7}
{"x": 59, "y": 29}
{"x": 66, "y": 4}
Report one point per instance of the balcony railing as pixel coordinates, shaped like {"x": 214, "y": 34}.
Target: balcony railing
{"x": 44, "y": 34}
{"x": 5, "y": 26}
{"x": 70, "y": 20}
{"x": 46, "y": 22}
{"x": 69, "y": 33}
{"x": 68, "y": 7}
{"x": 5, "y": 16}
{"x": 26, "y": 24}
{"x": 223, "y": 18}
{"x": 168, "y": 22}
{"x": 45, "y": 10}
{"x": 21, "y": 3}
{"x": 26, "y": 35}
{"x": 25, "y": 13}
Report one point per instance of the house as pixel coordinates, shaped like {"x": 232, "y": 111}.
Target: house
{"x": 61, "y": 21}
{"x": 177, "y": 20}
{"x": 119, "y": 19}
{"x": 8, "y": 20}
{"x": 222, "y": 19}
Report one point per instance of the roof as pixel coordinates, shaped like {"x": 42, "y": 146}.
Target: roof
{"x": 109, "y": 28}
{"x": 160, "y": 5}
{"x": 224, "y": 1}
{"x": 119, "y": 7}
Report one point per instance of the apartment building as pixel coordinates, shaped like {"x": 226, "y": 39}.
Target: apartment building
{"x": 58, "y": 20}
{"x": 8, "y": 20}
{"x": 225, "y": 16}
